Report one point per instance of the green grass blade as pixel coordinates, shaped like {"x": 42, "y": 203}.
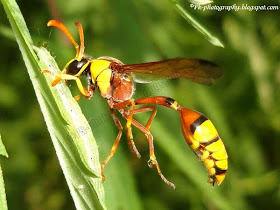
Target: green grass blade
{"x": 3, "y": 151}
{"x": 3, "y": 200}
{"x": 214, "y": 40}
{"x": 71, "y": 135}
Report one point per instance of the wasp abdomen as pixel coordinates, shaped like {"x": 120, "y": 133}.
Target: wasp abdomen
{"x": 203, "y": 138}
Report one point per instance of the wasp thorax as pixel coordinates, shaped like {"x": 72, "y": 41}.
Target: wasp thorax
{"x": 75, "y": 66}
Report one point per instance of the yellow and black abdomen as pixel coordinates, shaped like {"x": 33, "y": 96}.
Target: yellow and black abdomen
{"x": 203, "y": 138}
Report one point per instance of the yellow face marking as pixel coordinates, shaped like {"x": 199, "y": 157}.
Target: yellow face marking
{"x": 205, "y": 132}
{"x": 97, "y": 66}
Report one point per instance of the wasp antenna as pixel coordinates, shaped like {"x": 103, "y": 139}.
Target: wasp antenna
{"x": 82, "y": 42}
{"x": 65, "y": 30}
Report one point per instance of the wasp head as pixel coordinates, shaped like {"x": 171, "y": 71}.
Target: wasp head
{"x": 80, "y": 62}
{"x": 76, "y": 65}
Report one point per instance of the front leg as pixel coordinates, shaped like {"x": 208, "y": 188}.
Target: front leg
{"x": 63, "y": 76}
{"x": 91, "y": 89}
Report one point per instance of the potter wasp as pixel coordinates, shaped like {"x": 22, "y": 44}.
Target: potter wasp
{"x": 115, "y": 82}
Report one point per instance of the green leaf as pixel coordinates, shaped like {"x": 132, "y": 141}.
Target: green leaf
{"x": 71, "y": 135}
{"x": 2, "y": 148}
{"x": 201, "y": 2}
{"x": 3, "y": 201}
{"x": 214, "y": 40}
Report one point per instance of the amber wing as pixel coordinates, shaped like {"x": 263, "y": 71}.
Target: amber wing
{"x": 195, "y": 70}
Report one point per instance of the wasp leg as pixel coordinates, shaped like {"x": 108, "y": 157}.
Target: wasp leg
{"x": 88, "y": 96}
{"x": 57, "y": 76}
{"x": 119, "y": 126}
{"x": 115, "y": 145}
{"x": 129, "y": 113}
{"x": 147, "y": 109}
{"x": 128, "y": 103}
{"x": 145, "y": 129}
{"x": 130, "y": 141}
{"x": 148, "y": 124}
{"x": 152, "y": 161}
{"x": 63, "y": 76}
{"x": 90, "y": 89}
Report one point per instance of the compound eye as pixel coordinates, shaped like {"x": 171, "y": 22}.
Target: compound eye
{"x": 75, "y": 66}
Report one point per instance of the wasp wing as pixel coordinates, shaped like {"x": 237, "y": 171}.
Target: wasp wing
{"x": 195, "y": 70}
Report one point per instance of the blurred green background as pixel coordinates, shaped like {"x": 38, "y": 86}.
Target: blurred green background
{"x": 244, "y": 105}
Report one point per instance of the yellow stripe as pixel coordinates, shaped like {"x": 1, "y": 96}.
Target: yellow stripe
{"x": 220, "y": 155}
{"x": 222, "y": 164}
{"x": 215, "y": 146}
{"x": 205, "y": 132}
{"x": 67, "y": 64}
{"x": 174, "y": 105}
